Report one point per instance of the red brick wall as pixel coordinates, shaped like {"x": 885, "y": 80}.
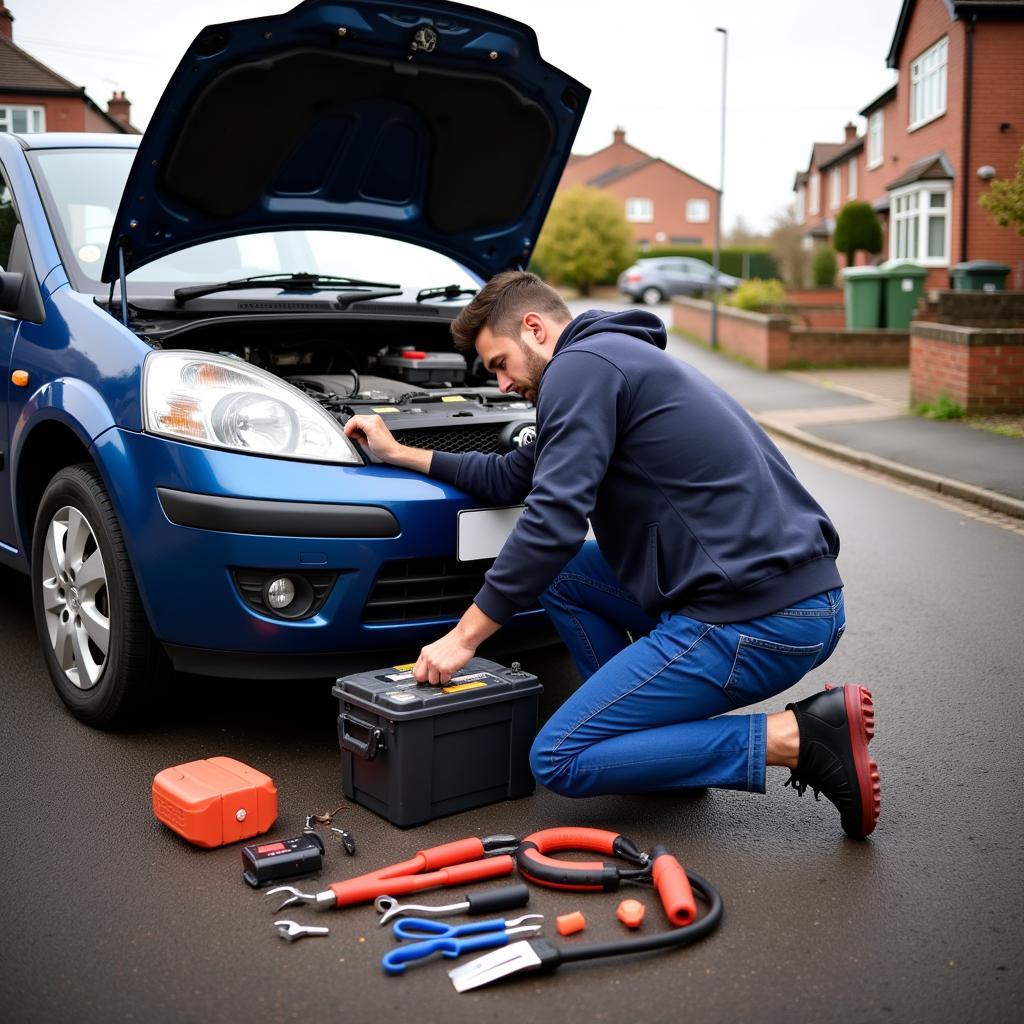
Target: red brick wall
{"x": 771, "y": 342}
{"x": 998, "y": 98}
{"x": 834, "y": 347}
{"x": 668, "y": 189}
{"x": 981, "y": 369}
{"x": 761, "y": 338}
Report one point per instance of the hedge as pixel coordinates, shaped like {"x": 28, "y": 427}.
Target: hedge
{"x": 761, "y": 263}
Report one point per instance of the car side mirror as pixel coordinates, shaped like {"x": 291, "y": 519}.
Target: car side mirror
{"x": 11, "y": 284}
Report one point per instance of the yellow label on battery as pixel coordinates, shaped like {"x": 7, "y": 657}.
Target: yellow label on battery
{"x": 452, "y": 398}
{"x": 463, "y": 686}
{"x": 403, "y": 668}
{"x": 385, "y": 408}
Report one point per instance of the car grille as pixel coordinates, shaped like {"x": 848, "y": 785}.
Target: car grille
{"x": 408, "y": 589}
{"x": 453, "y": 439}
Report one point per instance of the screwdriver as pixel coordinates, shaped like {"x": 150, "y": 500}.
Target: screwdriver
{"x": 507, "y": 898}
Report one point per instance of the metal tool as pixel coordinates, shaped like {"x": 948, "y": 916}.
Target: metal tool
{"x": 292, "y": 930}
{"x": 509, "y": 897}
{"x": 346, "y": 839}
{"x": 466, "y": 860}
{"x": 436, "y": 937}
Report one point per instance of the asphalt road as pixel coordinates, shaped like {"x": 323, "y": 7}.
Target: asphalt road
{"x": 111, "y": 917}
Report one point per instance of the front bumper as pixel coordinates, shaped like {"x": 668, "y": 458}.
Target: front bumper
{"x": 185, "y": 571}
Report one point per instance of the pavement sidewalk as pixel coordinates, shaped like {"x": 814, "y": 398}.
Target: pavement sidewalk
{"x": 862, "y": 416}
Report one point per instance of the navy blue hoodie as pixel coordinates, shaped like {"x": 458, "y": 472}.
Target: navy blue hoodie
{"x": 692, "y": 505}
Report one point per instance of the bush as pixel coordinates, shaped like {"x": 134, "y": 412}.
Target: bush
{"x": 824, "y": 268}
{"x": 756, "y": 294}
{"x": 585, "y": 239}
{"x": 943, "y": 408}
{"x": 759, "y": 261}
{"x": 857, "y": 227}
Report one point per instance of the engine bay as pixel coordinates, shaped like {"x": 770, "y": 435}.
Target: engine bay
{"x": 409, "y": 374}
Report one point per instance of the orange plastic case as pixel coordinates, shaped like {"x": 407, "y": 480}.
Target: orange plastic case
{"x": 215, "y": 802}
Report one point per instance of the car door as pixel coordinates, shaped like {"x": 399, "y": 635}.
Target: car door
{"x": 673, "y": 274}
{"x": 9, "y": 326}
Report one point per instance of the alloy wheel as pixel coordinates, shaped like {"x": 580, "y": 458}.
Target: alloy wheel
{"x": 76, "y": 599}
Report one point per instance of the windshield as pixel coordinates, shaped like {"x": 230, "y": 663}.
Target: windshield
{"x": 84, "y": 190}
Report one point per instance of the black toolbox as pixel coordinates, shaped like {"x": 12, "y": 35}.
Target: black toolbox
{"x": 413, "y": 752}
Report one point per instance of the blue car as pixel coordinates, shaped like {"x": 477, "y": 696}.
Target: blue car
{"x": 186, "y": 322}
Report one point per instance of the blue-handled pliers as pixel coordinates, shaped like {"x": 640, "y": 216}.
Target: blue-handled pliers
{"x": 437, "y": 937}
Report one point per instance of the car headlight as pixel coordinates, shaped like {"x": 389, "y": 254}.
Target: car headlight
{"x": 226, "y": 403}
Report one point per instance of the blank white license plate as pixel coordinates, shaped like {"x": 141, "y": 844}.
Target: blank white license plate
{"x": 483, "y": 531}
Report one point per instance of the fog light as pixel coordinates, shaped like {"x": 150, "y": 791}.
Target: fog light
{"x": 280, "y": 593}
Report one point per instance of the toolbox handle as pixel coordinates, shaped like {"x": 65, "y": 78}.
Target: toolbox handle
{"x": 368, "y": 748}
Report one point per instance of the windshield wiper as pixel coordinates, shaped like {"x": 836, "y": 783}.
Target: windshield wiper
{"x": 448, "y": 291}
{"x": 286, "y": 282}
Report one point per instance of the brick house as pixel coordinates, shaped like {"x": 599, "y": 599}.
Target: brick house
{"x": 933, "y": 140}
{"x": 33, "y": 98}
{"x": 663, "y": 204}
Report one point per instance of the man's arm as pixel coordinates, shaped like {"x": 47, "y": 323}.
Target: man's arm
{"x": 496, "y": 479}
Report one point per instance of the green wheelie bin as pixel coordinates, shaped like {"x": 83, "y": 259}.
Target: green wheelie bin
{"x": 862, "y": 288}
{"x": 904, "y": 285}
{"x": 979, "y": 276}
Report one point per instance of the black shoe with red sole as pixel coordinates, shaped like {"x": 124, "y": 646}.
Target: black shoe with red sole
{"x": 835, "y": 729}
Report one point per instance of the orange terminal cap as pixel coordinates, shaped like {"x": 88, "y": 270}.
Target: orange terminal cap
{"x": 569, "y": 924}
{"x": 631, "y": 913}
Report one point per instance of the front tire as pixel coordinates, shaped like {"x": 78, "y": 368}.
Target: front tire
{"x": 652, "y": 296}
{"x": 102, "y": 657}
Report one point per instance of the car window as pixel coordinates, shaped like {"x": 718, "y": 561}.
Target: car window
{"x": 8, "y": 222}
{"x": 85, "y": 189}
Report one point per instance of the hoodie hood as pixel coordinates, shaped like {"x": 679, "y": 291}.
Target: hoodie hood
{"x": 635, "y": 323}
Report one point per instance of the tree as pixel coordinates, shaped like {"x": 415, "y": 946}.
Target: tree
{"x": 585, "y": 239}
{"x": 787, "y": 243}
{"x": 742, "y": 234}
{"x": 1005, "y": 198}
{"x": 857, "y": 227}
{"x": 823, "y": 267}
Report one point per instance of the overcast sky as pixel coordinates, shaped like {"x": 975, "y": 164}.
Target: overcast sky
{"x": 798, "y": 70}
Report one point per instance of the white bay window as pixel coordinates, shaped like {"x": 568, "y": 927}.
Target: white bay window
{"x": 920, "y": 228}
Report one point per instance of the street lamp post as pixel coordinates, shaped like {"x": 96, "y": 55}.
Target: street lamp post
{"x": 721, "y": 190}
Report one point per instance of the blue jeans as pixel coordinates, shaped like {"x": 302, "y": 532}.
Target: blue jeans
{"x": 644, "y": 720}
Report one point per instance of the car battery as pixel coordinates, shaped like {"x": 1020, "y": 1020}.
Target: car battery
{"x": 412, "y": 752}
{"x": 414, "y": 366}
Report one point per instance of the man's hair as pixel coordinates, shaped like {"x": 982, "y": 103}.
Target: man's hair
{"x": 502, "y": 303}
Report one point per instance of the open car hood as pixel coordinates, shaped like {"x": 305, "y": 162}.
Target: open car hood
{"x": 429, "y": 122}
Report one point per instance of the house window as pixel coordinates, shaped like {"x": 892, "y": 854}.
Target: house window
{"x": 815, "y": 204}
{"x": 928, "y": 84}
{"x": 641, "y": 210}
{"x": 22, "y": 119}
{"x": 800, "y": 205}
{"x": 834, "y": 188}
{"x": 698, "y": 211}
{"x": 851, "y": 180}
{"x": 875, "y": 156}
{"x": 921, "y": 224}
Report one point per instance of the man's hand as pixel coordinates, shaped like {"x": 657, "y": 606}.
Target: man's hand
{"x": 372, "y": 432}
{"x": 439, "y": 661}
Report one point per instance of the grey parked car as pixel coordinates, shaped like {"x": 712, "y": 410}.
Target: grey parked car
{"x": 654, "y": 280}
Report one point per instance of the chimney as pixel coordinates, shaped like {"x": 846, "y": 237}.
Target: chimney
{"x": 119, "y": 108}
{"x": 618, "y": 136}
{"x": 851, "y": 131}
{"x": 6, "y": 22}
